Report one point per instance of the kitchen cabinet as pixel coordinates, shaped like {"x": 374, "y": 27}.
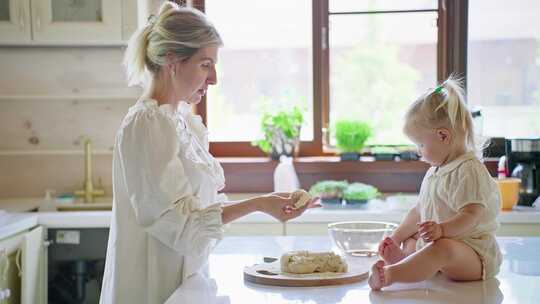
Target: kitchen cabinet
{"x": 9, "y": 273}
{"x": 26, "y": 273}
{"x": 69, "y": 22}
{"x": 33, "y": 267}
{"x": 15, "y": 21}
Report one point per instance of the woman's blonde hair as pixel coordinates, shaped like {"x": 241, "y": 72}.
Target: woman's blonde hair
{"x": 445, "y": 107}
{"x": 181, "y": 31}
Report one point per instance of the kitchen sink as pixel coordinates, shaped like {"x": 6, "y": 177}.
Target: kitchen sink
{"x": 78, "y": 206}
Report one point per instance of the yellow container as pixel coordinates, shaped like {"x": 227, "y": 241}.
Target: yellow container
{"x": 509, "y": 188}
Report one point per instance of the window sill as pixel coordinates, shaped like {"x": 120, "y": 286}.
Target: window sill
{"x": 255, "y": 174}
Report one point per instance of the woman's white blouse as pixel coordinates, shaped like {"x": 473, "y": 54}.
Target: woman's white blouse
{"x": 166, "y": 210}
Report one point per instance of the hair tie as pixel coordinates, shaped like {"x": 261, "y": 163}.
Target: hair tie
{"x": 438, "y": 89}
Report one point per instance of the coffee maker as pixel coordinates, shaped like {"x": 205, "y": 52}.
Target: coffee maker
{"x": 524, "y": 163}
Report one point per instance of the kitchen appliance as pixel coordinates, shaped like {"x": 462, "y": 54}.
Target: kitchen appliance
{"x": 76, "y": 262}
{"x": 524, "y": 163}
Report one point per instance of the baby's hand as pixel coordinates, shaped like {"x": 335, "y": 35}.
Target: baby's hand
{"x": 430, "y": 231}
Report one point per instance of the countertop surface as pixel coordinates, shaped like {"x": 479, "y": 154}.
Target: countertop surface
{"x": 13, "y": 223}
{"x": 374, "y": 210}
{"x": 518, "y": 281}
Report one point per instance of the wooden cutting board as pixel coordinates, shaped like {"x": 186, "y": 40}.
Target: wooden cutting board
{"x": 270, "y": 274}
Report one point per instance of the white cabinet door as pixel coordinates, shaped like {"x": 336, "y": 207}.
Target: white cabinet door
{"x": 77, "y": 21}
{"x": 15, "y": 21}
{"x": 32, "y": 263}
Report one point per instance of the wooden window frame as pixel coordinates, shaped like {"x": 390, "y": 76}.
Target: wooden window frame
{"x": 451, "y": 58}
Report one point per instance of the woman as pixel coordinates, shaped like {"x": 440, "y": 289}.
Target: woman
{"x": 167, "y": 215}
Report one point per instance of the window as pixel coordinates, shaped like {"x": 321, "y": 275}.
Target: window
{"x": 383, "y": 54}
{"x": 336, "y": 59}
{"x": 265, "y": 64}
{"x": 503, "y": 69}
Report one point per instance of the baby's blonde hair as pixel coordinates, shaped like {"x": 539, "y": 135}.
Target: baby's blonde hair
{"x": 181, "y": 31}
{"x": 445, "y": 107}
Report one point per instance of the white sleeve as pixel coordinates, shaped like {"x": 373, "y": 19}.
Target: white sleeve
{"x": 470, "y": 185}
{"x": 159, "y": 192}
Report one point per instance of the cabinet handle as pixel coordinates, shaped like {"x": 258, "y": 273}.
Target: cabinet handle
{"x": 38, "y": 15}
{"x": 18, "y": 261}
{"x": 5, "y": 260}
{"x": 21, "y": 15}
{"x": 324, "y": 43}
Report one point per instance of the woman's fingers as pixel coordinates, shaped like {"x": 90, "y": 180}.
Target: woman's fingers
{"x": 282, "y": 194}
{"x": 314, "y": 203}
{"x": 288, "y": 209}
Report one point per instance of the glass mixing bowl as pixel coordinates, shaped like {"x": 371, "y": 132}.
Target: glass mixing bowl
{"x": 359, "y": 238}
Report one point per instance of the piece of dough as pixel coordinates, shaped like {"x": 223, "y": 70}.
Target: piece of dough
{"x": 302, "y": 197}
{"x": 304, "y": 262}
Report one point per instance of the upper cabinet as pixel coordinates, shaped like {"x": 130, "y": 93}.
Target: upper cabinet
{"x": 15, "y": 21}
{"x": 69, "y": 22}
{"x": 77, "y": 20}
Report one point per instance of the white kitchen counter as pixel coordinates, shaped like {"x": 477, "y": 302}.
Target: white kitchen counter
{"x": 374, "y": 211}
{"x": 14, "y": 223}
{"x": 518, "y": 281}
{"x": 320, "y": 215}
{"x": 518, "y": 215}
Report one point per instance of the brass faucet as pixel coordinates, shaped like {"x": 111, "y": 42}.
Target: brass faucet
{"x": 88, "y": 191}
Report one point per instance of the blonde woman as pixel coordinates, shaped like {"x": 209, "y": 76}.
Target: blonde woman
{"x": 452, "y": 227}
{"x": 167, "y": 214}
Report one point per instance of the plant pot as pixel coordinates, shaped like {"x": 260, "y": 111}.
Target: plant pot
{"x": 283, "y": 145}
{"x": 350, "y": 203}
{"x": 384, "y": 156}
{"x": 331, "y": 203}
{"x": 355, "y": 201}
{"x": 408, "y": 155}
{"x": 349, "y": 156}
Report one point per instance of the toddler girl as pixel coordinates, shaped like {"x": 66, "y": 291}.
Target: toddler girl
{"x": 452, "y": 227}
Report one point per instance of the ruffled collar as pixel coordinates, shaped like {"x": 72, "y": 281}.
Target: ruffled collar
{"x": 194, "y": 123}
{"x": 451, "y": 166}
{"x": 193, "y": 137}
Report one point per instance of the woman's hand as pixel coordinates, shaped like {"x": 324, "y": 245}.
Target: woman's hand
{"x": 430, "y": 231}
{"x": 280, "y": 205}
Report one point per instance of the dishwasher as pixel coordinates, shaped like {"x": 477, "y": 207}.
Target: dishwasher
{"x": 76, "y": 261}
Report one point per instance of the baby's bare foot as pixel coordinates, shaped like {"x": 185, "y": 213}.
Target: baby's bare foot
{"x": 391, "y": 253}
{"x": 376, "y": 276}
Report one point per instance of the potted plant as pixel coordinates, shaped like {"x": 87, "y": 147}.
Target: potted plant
{"x": 351, "y": 136}
{"x": 330, "y": 192}
{"x": 359, "y": 193}
{"x": 281, "y": 133}
{"x": 384, "y": 152}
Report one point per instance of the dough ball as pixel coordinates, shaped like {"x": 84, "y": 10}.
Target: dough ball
{"x": 305, "y": 262}
{"x": 301, "y": 197}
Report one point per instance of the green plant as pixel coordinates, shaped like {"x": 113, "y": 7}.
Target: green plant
{"x": 281, "y": 131}
{"x": 360, "y": 192}
{"x": 328, "y": 189}
{"x": 351, "y": 135}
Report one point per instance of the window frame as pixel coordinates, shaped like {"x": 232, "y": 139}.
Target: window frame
{"x": 451, "y": 58}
